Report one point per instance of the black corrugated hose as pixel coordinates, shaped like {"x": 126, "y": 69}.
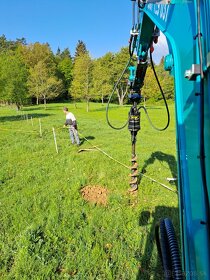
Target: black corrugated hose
{"x": 168, "y": 250}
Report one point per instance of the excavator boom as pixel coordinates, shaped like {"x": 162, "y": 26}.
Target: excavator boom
{"x": 186, "y": 25}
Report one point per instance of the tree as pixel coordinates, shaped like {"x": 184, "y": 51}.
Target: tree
{"x": 119, "y": 63}
{"x": 151, "y": 90}
{"x": 34, "y": 53}
{"x": 21, "y": 41}
{"x": 65, "y": 54}
{"x": 3, "y": 43}
{"x": 42, "y": 84}
{"x": 42, "y": 81}
{"x": 9, "y": 45}
{"x": 13, "y": 79}
{"x": 102, "y": 76}
{"x": 166, "y": 81}
{"x": 58, "y": 52}
{"x": 80, "y": 49}
{"x": 64, "y": 69}
{"x": 82, "y": 76}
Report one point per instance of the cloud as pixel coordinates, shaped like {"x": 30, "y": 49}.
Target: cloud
{"x": 160, "y": 49}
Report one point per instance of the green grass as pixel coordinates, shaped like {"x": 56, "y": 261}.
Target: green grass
{"x": 47, "y": 230}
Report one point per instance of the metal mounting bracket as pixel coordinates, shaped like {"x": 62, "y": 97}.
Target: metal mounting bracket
{"x": 192, "y": 73}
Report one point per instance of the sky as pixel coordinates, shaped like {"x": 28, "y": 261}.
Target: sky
{"x": 103, "y": 25}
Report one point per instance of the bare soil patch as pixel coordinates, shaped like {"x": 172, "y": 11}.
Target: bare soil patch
{"x": 95, "y": 194}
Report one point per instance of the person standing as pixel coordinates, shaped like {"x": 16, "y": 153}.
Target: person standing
{"x": 72, "y": 124}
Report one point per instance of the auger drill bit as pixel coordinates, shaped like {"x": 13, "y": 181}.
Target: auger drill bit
{"x": 134, "y": 127}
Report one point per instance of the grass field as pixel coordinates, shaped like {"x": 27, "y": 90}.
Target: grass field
{"x": 47, "y": 229}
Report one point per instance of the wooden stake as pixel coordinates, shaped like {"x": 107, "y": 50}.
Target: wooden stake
{"x": 40, "y": 128}
{"x": 56, "y": 147}
{"x": 32, "y": 123}
{"x": 144, "y": 102}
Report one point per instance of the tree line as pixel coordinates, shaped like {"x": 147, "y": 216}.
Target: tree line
{"x": 32, "y": 73}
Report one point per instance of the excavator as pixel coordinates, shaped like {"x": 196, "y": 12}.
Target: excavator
{"x": 186, "y": 26}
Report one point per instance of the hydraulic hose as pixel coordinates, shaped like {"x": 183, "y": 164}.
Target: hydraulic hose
{"x": 110, "y": 97}
{"x": 131, "y": 45}
{"x": 166, "y": 105}
{"x": 168, "y": 250}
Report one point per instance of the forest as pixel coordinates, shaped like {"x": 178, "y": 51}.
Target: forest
{"x": 33, "y": 74}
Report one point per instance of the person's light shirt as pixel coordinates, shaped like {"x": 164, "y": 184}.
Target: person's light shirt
{"x": 70, "y": 116}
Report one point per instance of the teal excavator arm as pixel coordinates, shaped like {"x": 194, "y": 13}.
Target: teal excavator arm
{"x": 186, "y": 25}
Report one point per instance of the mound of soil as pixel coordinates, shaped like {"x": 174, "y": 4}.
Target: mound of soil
{"x": 95, "y": 194}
